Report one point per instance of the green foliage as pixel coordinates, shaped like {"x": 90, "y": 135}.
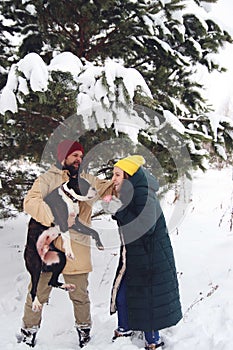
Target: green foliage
{"x": 25, "y": 136}
{"x": 57, "y": 101}
{"x": 15, "y": 183}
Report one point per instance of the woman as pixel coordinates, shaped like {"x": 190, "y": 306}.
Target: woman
{"x": 145, "y": 291}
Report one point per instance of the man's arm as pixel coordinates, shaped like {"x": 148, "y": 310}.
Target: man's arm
{"x": 34, "y": 204}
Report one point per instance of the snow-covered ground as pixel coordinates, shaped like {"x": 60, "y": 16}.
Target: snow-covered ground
{"x": 203, "y": 245}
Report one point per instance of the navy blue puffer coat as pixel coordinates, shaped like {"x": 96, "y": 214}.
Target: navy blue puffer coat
{"x": 151, "y": 279}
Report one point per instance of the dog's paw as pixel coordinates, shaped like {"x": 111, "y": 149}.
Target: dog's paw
{"x": 100, "y": 246}
{"x": 70, "y": 255}
{"x": 36, "y": 305}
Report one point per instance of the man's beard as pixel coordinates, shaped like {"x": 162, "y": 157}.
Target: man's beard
{"x": 72, "y": 170}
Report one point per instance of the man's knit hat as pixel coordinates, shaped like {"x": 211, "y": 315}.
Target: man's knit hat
{"x": 66, "y": 147}
{"x": 130, "y": 164}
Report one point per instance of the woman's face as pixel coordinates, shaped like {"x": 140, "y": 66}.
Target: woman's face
{"x": 117, "y": 178}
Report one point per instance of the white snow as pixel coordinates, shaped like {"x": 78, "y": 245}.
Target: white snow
{"x": 8, "y": 101}
{"x": 35, "y": 71}
{"x": 66, "y": 62}
{"x": 203, "y": 245}
{"x": 173, "y": 122}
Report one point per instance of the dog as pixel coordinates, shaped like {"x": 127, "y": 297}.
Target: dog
{"x": 40, "y": 253}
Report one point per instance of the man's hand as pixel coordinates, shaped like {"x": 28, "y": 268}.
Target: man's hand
{"x": 71, "y": 220}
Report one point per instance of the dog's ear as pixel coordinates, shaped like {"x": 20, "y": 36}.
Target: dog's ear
{"x": 92, "y": 193}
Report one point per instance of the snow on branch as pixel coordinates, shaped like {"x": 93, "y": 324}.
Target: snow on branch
{"x": 104, "y": 96}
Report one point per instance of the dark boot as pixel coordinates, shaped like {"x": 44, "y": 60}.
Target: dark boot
{"x": 154, "y": 346}
{"x": 120, "y": 332}
{"x": 84, "y": 336}
{"x": 28, "y": 336}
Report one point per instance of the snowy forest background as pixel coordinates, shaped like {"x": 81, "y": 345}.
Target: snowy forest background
{"x": 128, "y": 73}
{"x": 150, "y": 77}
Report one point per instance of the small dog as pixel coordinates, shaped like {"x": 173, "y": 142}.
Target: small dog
{"x": 40, "y": 253}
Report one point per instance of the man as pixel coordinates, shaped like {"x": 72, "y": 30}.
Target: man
{"x": 69, "y": 157}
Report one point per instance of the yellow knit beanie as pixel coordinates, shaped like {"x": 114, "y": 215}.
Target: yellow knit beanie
{"x": 130, "y": 164}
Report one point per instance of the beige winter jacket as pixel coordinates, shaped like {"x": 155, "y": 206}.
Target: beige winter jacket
{"x": 35, "y": 206}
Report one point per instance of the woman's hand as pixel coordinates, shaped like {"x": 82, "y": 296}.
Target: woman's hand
{"x": 111, "y": 204}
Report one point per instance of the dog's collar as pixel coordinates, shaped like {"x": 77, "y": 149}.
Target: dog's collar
{"x": 74, "y": 200}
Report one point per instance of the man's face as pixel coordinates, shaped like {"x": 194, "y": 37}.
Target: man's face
{"x": 73, "y": 161}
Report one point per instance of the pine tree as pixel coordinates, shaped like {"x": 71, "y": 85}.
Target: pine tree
{"x": 159, "y": 39}
{"x": 5, "y": 51}
{"x": 23, "y": 24}
{"x": 162, "y": 40}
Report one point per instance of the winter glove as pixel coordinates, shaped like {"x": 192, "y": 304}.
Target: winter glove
{"x": 111, "y": 204}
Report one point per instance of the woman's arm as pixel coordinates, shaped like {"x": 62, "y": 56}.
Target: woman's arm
{"x": 103, "y": 187}
{"x": 139, "y": 217}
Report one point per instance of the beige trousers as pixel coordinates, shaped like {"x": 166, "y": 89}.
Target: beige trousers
{"x": 79, "y": 298}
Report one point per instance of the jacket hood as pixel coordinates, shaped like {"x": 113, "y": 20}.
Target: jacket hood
{"x": 56, "y": 169}
{"x": 144, "y": 177}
